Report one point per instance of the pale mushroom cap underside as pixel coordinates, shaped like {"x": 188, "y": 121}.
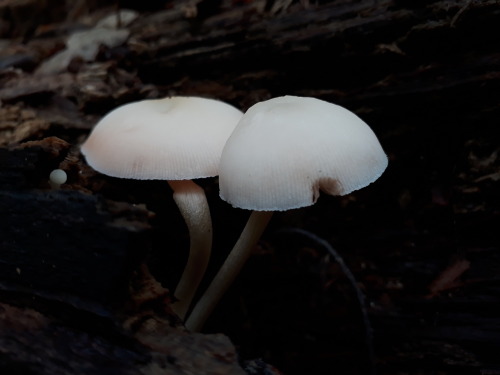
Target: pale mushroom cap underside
{"x": 174, "y": 138}
{"x": 285, "y": 150}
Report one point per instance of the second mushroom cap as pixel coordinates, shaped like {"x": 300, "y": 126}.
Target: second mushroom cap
{"x": 285, "y": 150}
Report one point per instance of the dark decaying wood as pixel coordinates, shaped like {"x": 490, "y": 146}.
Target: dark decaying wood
{"x": 422, "y": 241}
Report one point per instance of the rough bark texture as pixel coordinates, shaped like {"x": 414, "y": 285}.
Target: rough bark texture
{"x": 422, "y": 241}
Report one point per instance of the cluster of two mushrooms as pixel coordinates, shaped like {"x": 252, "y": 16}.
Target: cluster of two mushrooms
{"x": 275, "y": 157}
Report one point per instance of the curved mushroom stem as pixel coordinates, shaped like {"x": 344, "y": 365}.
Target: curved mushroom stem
{"x": 230, "y": 269}
{"x": 193, "y": 205}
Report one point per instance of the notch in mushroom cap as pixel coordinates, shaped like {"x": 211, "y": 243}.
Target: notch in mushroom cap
{"x": 281, "y": 154}
{"x": 293, "y": 147}
{"x": 175, "y": 139}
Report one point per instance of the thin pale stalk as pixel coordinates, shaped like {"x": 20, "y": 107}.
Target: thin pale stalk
{"x": 193, "y": 206}
{"x": 238, "y": 256}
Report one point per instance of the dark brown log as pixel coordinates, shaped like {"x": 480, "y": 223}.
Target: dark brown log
{"x": 422, "y": 241}
{"x": 34, "y": 343}
{"x": 72, "y": 301}
{"x": 64, "y": 245}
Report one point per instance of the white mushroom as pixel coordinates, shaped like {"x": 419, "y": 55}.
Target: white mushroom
{"x": 175, "y": 139}
{"x": 57, "y": 177}
{"x": 283, "y": 152}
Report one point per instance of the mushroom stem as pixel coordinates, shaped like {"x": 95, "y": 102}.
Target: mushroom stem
{"x": 192, "y": 203}
{"x": 241, "y": 251}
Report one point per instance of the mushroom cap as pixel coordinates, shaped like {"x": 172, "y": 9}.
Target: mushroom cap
{"x": 286, "y": 149}
{"x": 175, "y": 138}
{"x": 58, "y": 176}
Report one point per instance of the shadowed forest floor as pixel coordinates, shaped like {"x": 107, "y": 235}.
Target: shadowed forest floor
{"x": 422, "y": 242}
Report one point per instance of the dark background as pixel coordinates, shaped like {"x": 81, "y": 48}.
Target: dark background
{"x": 421, "y": 242}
